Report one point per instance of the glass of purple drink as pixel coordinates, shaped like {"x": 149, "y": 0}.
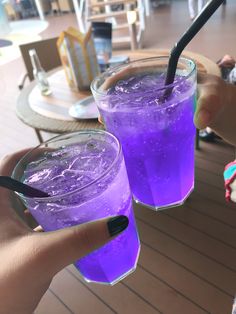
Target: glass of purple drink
{"x": 85, "y": 175}
{"x": 154, "y": 124}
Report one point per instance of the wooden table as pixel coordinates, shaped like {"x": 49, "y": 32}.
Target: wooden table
{"x": 50, "y": 113}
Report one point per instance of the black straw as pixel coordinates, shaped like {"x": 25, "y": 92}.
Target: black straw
{"x": 17, "y": 186}
{"x": 198, "y": 23}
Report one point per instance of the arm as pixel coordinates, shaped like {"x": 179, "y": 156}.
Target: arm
{"x": 216, "y": 107}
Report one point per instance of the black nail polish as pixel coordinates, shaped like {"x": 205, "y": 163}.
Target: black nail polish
{"x": 117, "y": 224}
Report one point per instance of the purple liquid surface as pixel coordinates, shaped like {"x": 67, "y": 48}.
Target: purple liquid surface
{"x": 157, "y": 136}
{"x": 66, "y": 170}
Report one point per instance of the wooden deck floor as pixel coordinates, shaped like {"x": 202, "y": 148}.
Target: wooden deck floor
{"x": 188, "y": 256}
{"x": 187, "y": 261}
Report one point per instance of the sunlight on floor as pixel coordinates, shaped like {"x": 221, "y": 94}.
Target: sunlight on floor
{"x": 21, "y": 32}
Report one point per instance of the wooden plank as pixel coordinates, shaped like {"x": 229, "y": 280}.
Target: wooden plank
{"x": 123, "y": 26}
{"x": 212, "y": 209}
{"x": 166, "y": 299}
{"x": 106, "y": 15}
{"x": 189, "y": 288}
{"x": 119, "y": 297}
{"x": 217, "y": 230}
{"x": 192, "y": 238}
{"x": 76, "y": 296}
{"x": 209, "y": 178}
{"x": 212, "y": 166}
{"x": 122, "y": 39}
{"x": 50, "y": 304}
{"x": 120, "y": 26}
{"x": 203, "y": 265}
{"x": 215, "y": 154}
{"x": 212, "y": 193}
{"x": 218, "y": 148}
{"x": 109, "y": 2}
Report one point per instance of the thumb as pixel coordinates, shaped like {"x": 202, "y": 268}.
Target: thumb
{"x": 60, "y": 248}
{"x": 203, "y": 115}
{"x": 212, "y": 92}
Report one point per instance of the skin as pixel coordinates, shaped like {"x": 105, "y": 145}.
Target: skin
{"x": 216, "y": 107}
{"x": 227, "y": 61}
{"x": 30, "y": 259}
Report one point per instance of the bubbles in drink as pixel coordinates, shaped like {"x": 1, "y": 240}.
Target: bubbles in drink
{"x": 144, "y": 90}
{"x": 157, "y": 135}
{"x": 69, "y": 168}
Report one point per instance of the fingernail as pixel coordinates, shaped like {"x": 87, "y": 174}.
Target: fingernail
{"x": 117, "y": 225}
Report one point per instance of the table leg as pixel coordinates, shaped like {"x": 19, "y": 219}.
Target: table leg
{"x": 197, "y": 140}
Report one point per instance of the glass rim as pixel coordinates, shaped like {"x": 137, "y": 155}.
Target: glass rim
{"x": 53, "y": 139}
{"x": 123, "y": 66}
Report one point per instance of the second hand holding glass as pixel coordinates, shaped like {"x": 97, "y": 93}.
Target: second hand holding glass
{"x": 85, "y": 175}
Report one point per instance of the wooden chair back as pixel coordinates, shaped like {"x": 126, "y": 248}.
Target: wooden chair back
{"x": 47, "y": 52}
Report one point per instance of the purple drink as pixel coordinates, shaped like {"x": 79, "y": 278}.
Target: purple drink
{"x": 157, "y": 133}
{"x": 85, "y": 175}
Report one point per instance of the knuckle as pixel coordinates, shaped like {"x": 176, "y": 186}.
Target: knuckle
{"x": 82, "y": 237}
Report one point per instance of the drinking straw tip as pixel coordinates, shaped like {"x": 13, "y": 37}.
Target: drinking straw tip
{"x": 17, "y": 186}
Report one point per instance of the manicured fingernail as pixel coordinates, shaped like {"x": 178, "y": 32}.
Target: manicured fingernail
{"x": 117, "y": 225}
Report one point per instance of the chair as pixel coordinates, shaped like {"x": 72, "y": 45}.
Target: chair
{"x": 66, "y": 5}
{"x": 55, "y": 6}
{"x": 49, "y": 58}
{"x": 47, "y": 52}
{"x": 128, "y": 20}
